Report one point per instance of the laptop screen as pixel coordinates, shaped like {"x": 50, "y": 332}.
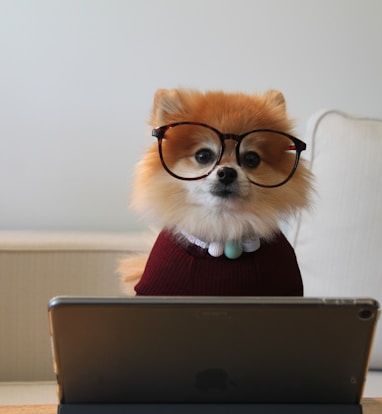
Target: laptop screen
{"x": 211, "y": 350}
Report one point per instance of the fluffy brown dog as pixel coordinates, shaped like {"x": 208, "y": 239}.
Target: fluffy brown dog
{"x": 223, "y": 173}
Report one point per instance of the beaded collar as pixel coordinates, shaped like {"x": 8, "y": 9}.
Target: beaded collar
{"x": 231, "y": 249}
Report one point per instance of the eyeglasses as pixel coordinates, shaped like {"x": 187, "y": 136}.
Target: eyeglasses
{"x": 192, "y": 150}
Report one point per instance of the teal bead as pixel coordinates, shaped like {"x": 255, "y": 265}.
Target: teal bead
{"x": 233, "y": 250}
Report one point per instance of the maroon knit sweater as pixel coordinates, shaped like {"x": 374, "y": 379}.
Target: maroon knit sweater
{"x": 178, "y": 268}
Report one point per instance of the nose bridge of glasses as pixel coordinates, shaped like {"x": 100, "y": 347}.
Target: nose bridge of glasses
{"x": 234, "y": 137}
{"x": 229, "y": 145}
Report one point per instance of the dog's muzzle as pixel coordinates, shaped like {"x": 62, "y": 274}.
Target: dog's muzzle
{"x": 226, "y": 185}
{"x": 226, "y": 175}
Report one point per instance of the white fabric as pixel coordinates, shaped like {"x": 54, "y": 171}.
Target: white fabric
{"x": 338, "y": 244}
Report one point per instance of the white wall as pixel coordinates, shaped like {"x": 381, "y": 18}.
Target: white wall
{"x": 77, "y": 79}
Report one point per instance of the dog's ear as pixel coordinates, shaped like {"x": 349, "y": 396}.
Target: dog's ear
{"x": 276, "y": 98}
{"x": 168, "y": 105}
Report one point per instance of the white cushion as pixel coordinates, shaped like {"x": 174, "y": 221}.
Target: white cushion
{"x": 339, "y": 243}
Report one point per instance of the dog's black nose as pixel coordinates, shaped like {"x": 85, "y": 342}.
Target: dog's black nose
{"x": 227, "y": 175}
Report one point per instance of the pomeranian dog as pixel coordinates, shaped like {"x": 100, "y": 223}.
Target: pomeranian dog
{"x": 223, "y": 172}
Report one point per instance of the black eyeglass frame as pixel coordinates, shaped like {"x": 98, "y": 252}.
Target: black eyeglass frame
{"x": 159, "y": 133}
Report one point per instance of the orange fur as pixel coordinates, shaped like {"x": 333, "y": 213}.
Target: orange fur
{"x": 188, "y": 205}
{"x": 131, "y": 270}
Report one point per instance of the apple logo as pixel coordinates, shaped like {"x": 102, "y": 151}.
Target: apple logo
{"x": 213, "y": 378}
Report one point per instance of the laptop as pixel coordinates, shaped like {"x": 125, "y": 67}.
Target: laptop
{"x": 146, "y": 355}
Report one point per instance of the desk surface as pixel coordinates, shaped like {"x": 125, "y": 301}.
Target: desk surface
{"x": 370, "y": 406}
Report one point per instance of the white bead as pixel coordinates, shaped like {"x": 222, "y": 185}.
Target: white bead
{"x": 215, "y": 249}
{"x": 251, "y": 245}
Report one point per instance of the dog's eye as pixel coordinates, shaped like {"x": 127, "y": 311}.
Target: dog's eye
{"x": 250, "y": 159}
{"x": 204, "y": 156}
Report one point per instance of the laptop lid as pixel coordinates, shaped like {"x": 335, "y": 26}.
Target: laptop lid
{"x": 146, "y": 350}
